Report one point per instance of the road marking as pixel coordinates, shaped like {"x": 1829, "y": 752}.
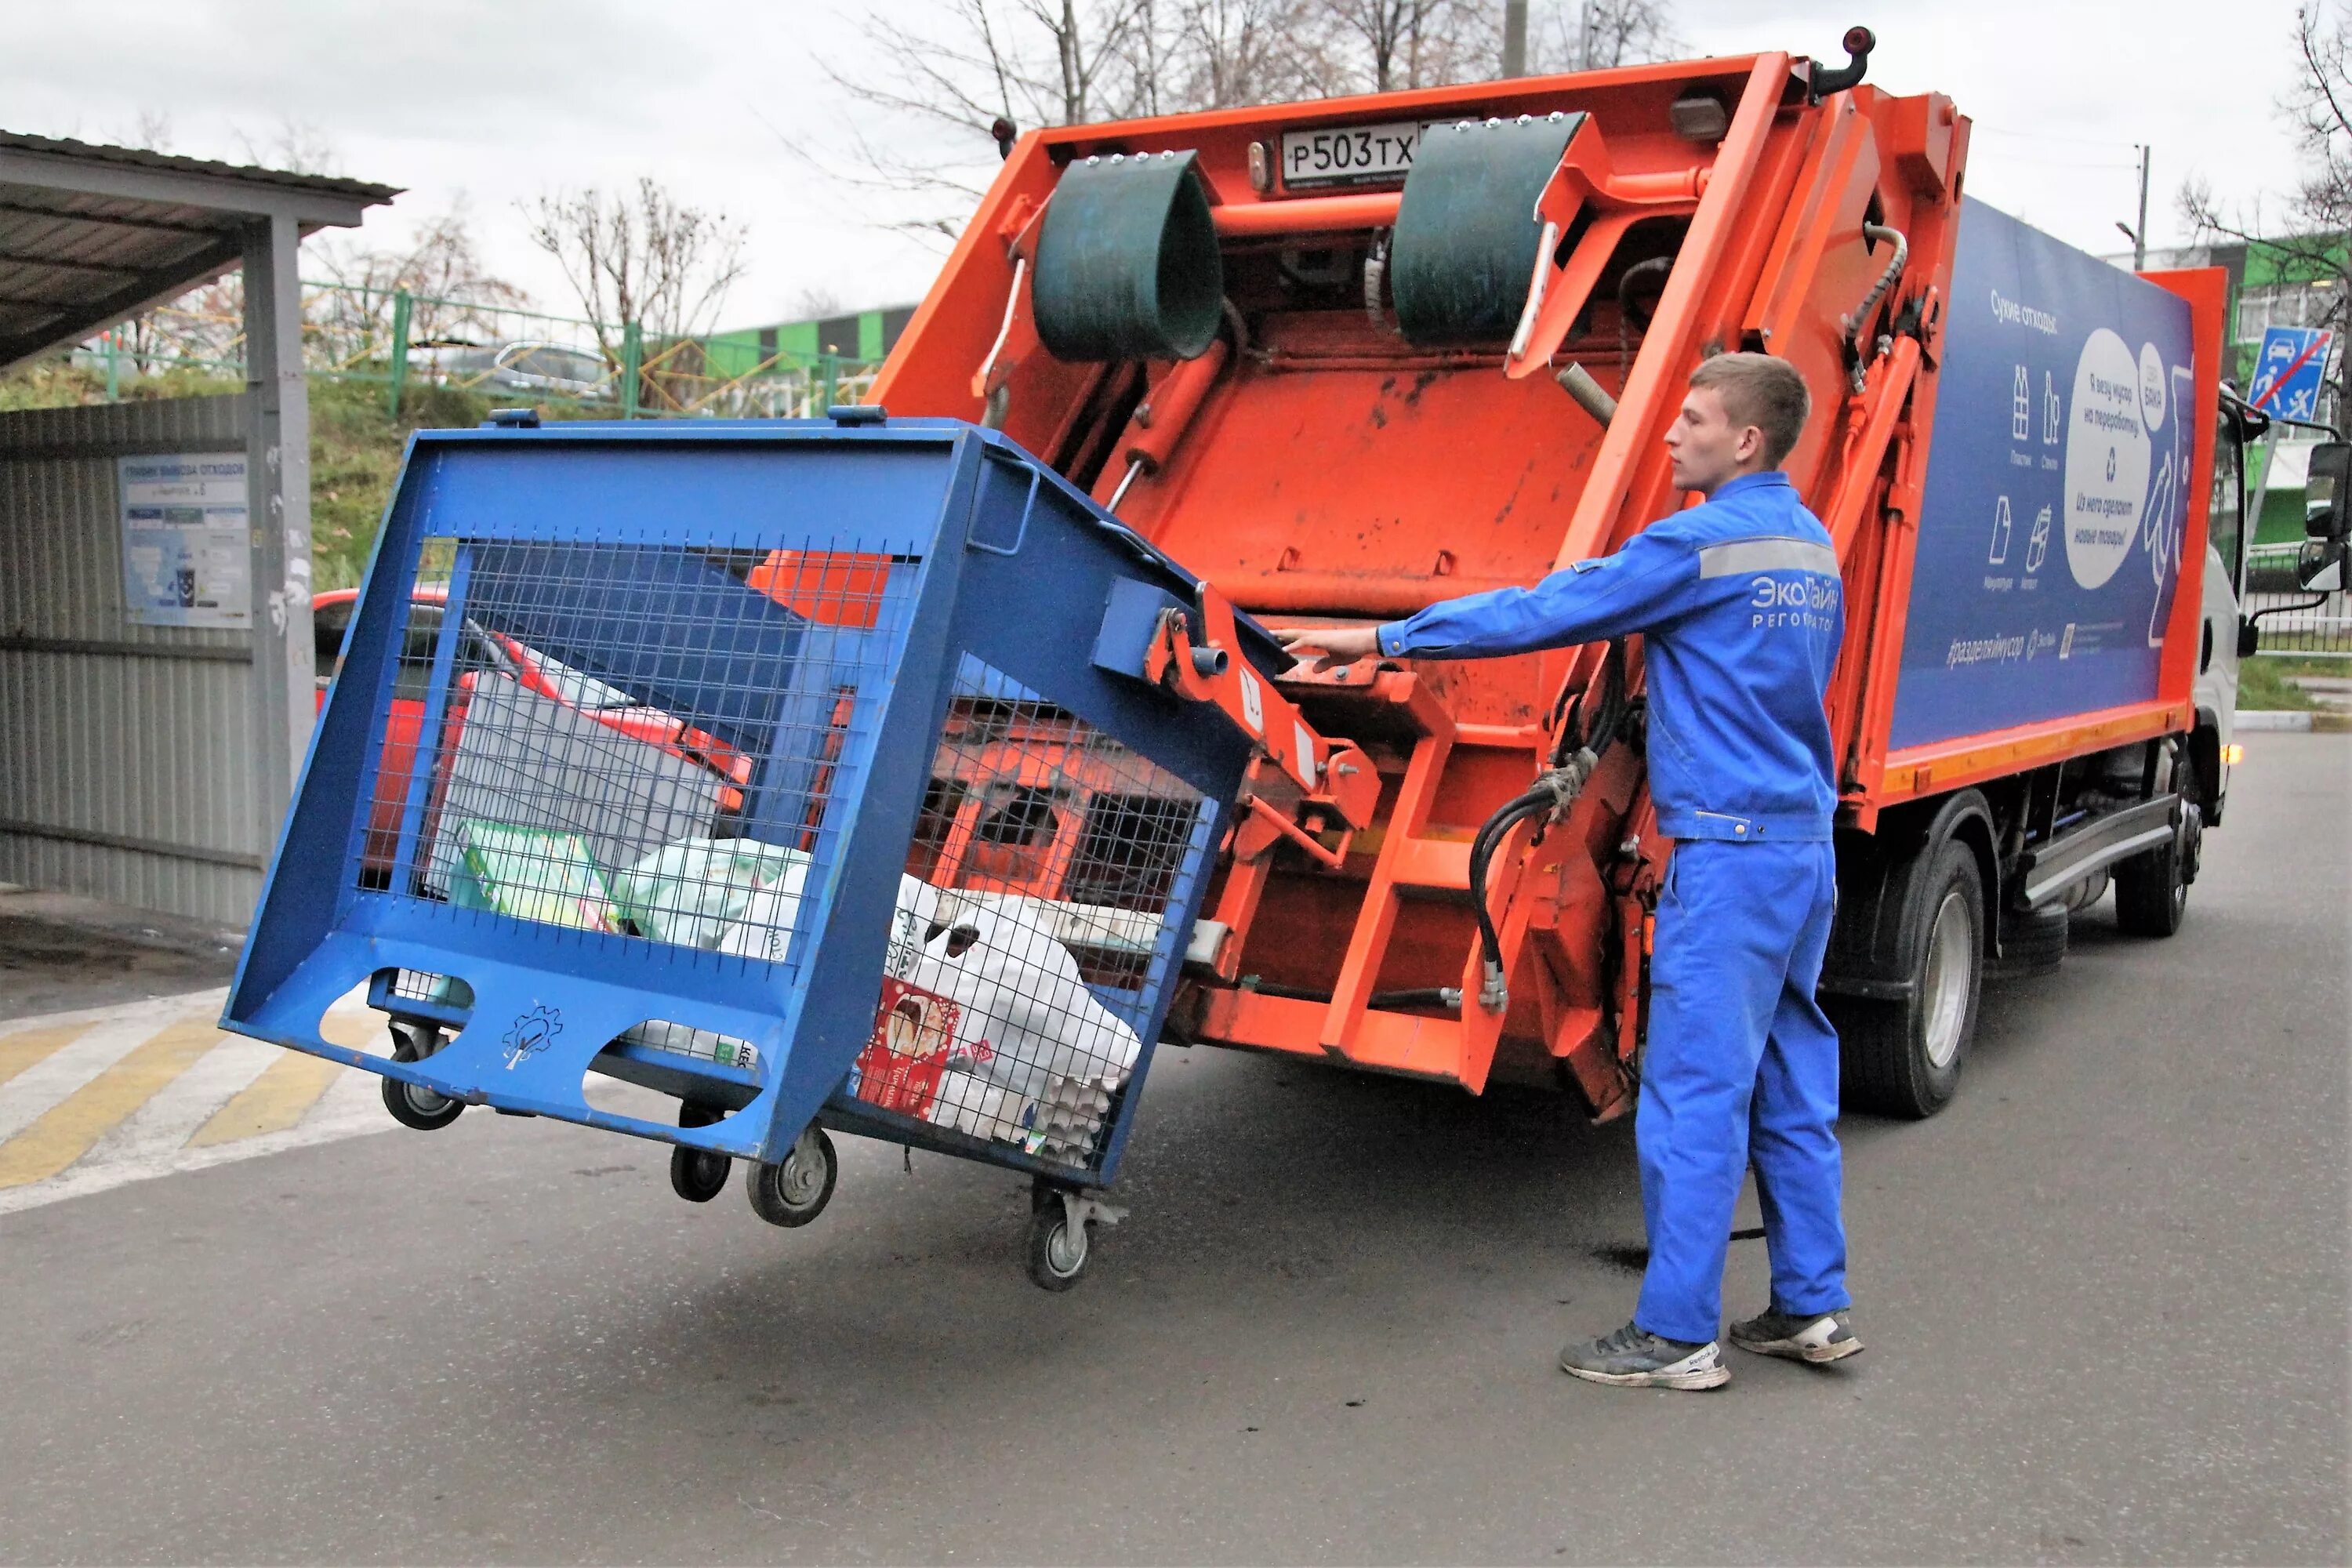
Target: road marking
{"x": 93, "y": 1100}
{"x": 283, "y": 1094}
{"x": 23, "y": 1048}
{"x": 161, "y": 1127}
{"x": 46, "y": 1084}
{"x": 66, "y": 1131}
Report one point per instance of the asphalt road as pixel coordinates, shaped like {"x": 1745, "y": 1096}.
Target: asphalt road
{"x": 2105, "y": 1296}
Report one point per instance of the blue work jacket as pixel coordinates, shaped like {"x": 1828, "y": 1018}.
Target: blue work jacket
{"x": 1742, "y": 608}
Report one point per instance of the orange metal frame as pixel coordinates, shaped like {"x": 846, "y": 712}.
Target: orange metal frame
{"x": 1315, "y": 467}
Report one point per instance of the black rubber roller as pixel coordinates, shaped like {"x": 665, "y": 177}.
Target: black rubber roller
{"x": 1466, "y": 232}
{"x": 1127, "y": 261}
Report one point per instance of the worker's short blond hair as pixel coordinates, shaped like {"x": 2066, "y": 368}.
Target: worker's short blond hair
{"x": 1762, "y": 391}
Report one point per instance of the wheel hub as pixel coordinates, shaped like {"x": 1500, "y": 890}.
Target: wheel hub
{"x": 1066, "y": 1249}
{"x": 1951, "y": 960}
{"x": 800, "y": 1180}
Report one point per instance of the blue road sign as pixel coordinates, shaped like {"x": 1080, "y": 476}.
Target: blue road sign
{"x": 2287, "y": 372}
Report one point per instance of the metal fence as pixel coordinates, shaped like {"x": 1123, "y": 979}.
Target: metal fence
{"x": 2295, "y": 624}
{"x": 402, "y": 340}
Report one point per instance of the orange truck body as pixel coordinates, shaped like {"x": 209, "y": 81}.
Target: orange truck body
{"x": 1317, "y": 469}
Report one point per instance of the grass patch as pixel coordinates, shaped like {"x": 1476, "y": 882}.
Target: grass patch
{"x": 2264, "y": 685}
{"x": 355, "y": 450}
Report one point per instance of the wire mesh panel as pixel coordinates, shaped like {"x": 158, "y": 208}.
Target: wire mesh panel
{"x": 1030, "y": 925}
{"x": 666, "y": 755}
{"x": 632, "y": 740}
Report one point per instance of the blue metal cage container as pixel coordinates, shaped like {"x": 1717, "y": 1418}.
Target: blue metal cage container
{"x": 773, "y": 769}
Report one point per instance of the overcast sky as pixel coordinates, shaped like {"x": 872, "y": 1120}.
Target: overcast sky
{"x": 489, "y": 103}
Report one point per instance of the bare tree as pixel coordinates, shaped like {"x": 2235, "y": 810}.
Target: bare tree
{"x": 151, "y": 131}
{"x": 2310, "y": 242}
{"x": 453, "y": 294}
{"x": 295, "y": 146}
{"x": 1216, "y": 54}
{"x": 1595, "y": 34}
{"x": 815, "y": 303}
{"x": 1398, "y": 44}
{"x": 947, "y": 74}
{"x": 639, "y": 256}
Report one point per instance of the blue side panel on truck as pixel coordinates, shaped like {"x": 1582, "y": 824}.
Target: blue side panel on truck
{"x": 2049, "y": 538}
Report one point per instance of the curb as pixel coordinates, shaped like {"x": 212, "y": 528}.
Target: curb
{"x": 2289, "y": 720}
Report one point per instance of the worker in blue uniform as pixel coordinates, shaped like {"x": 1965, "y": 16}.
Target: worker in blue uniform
{"x": 1740, "y": 605}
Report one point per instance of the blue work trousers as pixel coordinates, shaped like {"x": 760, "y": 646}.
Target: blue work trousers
{"x": 1740, "y": 1067}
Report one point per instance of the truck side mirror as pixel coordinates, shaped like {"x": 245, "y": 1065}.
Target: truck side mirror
{"x": 2331, "y": 468}
{"x": 2249, "y": 637}
{"x": 2319, "y": 566}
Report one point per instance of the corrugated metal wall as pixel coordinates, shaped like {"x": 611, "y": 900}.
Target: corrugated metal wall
{"x": 127, "y": 753}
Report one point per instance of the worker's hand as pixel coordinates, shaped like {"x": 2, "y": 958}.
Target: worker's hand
{"x": 1338, "y": 646}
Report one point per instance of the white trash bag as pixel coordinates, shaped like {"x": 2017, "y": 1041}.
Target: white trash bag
{"x": 1021, "y": 992}
{"x": 770, "y": 919}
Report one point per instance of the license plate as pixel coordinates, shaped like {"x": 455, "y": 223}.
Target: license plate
{"x": 1349, "y": 154}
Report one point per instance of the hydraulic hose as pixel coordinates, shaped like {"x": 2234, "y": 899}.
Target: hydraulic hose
{"x": 1861, "y": 317}
{"x": 1583, "y": 736}
{"x": 1656, "y": 267}
{"x": 1494, "y": 992}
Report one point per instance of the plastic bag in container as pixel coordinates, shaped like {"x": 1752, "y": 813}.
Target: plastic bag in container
{"x": 1021, "y": 993}
{"x": 692, "y": 891}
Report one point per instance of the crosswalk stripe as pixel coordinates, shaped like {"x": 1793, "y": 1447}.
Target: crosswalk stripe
{"x": 22, "y": 1049}
{"x": 106, "y": 1039}
{"x": 66, "y": 1131}
{"x": 283, "y": 1094}
{"x": 158, "y": 1129}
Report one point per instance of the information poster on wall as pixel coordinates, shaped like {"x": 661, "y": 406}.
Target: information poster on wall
{"x": 186, "y": 545}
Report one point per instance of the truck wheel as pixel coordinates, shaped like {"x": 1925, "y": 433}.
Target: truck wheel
{"x": 2035, "y": 943}
{"x": 2152, "y": 887}
{"x": 1902, "y": 1059}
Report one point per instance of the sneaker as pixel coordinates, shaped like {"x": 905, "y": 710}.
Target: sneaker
{"x": 1798, "y": 1336}
{"x": 1634, "y": 1358}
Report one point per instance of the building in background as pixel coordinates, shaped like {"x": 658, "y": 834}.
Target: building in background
{"x": 864, "y": 338}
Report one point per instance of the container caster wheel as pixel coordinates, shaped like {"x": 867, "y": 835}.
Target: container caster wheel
{"x": 795, "y": 1190}
{"x": 414, "y": 1105}
{"x": 1058, "y": 1249}
{"x": 698, "y": 1175}
{"x": 1061, "y": 1239}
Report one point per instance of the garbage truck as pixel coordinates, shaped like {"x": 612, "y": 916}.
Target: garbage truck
{"x": 1449, "y": 332}
{"x": 959, "y": 773}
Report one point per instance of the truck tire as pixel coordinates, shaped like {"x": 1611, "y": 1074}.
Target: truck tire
{"x": 2152, "y": 887}
{"x": 1902, "y": 1057}
{"x": 2035, "y": 943}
